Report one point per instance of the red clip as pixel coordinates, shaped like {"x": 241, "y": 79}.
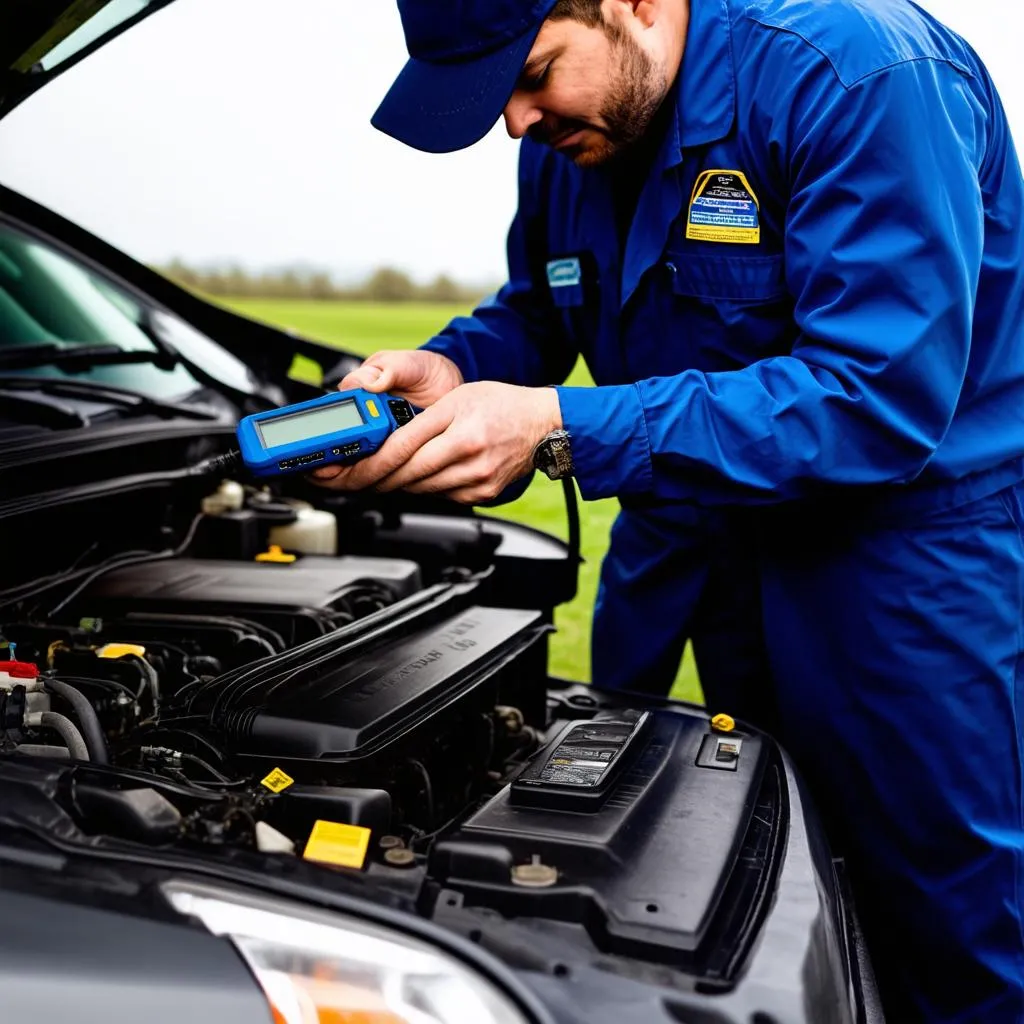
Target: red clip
{"x": 19, "y": 669}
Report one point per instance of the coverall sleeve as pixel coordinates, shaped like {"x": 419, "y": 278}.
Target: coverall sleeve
{"x": 515, "y": 336}
{"x": 883, "y": 247}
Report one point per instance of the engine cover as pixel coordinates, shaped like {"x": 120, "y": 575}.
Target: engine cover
{"x": 300, "y": 600}
{"x": 355, "y": 706}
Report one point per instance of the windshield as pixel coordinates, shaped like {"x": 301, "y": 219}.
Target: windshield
{"x": 82, "y": 24}
{"x": 47, "y": 298}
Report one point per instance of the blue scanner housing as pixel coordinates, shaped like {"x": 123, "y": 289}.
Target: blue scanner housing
{"x": 340, "y": 427}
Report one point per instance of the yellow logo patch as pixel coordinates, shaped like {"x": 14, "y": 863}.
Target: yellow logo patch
{"x": 723, "y": 208}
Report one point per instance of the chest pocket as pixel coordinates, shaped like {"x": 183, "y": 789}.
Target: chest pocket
{"x": 732, "y": 310}
{"x": 580, "y": 300}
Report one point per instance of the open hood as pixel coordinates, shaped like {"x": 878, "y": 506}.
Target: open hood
{"x": 40, "y": 39}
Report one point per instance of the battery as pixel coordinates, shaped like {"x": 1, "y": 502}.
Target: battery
{"x": 579, "y": 768}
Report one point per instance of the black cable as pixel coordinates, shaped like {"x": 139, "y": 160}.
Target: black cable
{"x": 573, "y": 514}
{"x": 206, "y": 766}
{"x": 228, "y": 464}
{"x": 151, "y": 556}
{"x": 179, "y": 694}
{"x": 194, "y": 791}
{"x": 109, "y": 684}
{"x": 428, "y": 789}
{"x": 69, "y": 575}
{"x": 164, "y": 736}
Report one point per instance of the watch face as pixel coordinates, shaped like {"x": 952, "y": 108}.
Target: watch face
{"x": 553, "y": 455}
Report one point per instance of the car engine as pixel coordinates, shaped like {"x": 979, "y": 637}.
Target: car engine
{"x": 358, "y": 686}
{"x": 392, "y": 688}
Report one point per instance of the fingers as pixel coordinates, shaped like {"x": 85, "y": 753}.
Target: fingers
{"x": 465, "y": 484}
{"x": 470, "y": 482}
{"x": 399, "y": 448}
{"x": 374, "y": 375}
{"x": 326, "y": 473}
{"x": 404, "y": 444}
{"x": 435, "y": 457}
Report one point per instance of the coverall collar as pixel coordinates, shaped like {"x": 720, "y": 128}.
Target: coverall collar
{"x": 706, "y": 96}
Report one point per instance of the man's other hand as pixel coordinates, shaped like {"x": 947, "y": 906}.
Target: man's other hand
{"x": 468, "y": 445}
{"x": 420, "y": 377}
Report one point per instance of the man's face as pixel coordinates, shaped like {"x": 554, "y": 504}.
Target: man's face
{"x": 588, "y": 92}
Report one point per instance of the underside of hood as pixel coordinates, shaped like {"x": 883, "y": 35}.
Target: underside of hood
{"x": 40, "y": 39}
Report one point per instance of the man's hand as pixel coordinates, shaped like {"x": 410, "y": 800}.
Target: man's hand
{"x": 418, "y": 375}
{"x": 469, "y": 445}
{"x": 421, "y": 377}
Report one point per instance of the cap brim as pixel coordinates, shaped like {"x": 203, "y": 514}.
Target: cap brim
{"x": 440, "y": 108}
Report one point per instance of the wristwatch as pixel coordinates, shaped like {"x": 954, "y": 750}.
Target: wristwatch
{"x": 553, "y": 455}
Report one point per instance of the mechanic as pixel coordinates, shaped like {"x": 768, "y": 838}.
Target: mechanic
{"x": 787, "y": 238}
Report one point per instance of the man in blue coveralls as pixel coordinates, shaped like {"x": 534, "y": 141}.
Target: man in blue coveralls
{"x": 787, "y": 237}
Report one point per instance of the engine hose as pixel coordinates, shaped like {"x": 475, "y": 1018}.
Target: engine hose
{"x": 41, "y": 750}
{"x": 88, "y": 720}
{"x": 68, "y": 733}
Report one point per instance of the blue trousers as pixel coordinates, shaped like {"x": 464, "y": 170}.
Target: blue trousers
{"x": 895, "y": 652}
{"x": 676, "y": 575}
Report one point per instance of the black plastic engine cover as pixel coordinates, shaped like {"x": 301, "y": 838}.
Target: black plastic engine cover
{"x": 349, "y": 711}
{"x": 296, "y": 598}
{"x": 649, "y": 872}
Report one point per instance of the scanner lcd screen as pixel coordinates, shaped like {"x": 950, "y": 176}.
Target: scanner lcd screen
{"x": 298, "y": 426}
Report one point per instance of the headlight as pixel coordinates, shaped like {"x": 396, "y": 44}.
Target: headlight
{"x": 319, "y": 968}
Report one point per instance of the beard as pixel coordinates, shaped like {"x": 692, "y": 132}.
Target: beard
{"x": 634, "y": 99}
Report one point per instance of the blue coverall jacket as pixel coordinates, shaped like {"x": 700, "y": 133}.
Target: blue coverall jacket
{"x": 814, "y": 337}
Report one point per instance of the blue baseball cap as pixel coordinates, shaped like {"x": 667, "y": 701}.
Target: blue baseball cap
{"x": 465, "y": 57}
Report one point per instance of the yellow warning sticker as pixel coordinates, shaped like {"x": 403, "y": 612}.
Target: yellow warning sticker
{"x": 341, "y": 845}
{"x": 277, "y": 781}
{"x": 723, "y": 208}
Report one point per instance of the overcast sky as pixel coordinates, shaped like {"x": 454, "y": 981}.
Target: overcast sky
{"x": 239, "y": 130}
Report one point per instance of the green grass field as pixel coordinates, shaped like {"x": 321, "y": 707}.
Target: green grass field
{"x": 363, "y": 328}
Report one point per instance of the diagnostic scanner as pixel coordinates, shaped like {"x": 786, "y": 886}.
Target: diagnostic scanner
{"x": 336, "y": 428}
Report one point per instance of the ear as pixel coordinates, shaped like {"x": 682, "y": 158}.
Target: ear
{"x": 647, "y": 12}
{"x": 643, "y": 13}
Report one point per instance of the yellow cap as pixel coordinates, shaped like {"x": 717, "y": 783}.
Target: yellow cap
{"x": 342, "y": 845}
{"x": 120, "y": 650}
{"x": 723, "y": 723}
{"x": 275, "y": 554}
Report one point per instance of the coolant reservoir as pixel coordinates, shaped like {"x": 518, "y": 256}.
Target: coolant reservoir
{"x": 229, "y": 497}
{"x": 25, "y": 673}
{"x": 314, "y": 532}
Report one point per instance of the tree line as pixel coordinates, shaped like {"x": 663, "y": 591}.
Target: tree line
{"x": 385, "y": 284}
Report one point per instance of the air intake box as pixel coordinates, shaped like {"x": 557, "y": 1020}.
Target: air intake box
{"x": 349, "y": 709}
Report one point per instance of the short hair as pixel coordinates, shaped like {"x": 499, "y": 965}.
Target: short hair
{"x": 586, "y": 11}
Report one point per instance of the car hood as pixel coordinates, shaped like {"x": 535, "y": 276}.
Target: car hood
{"x": 41, "y": 39}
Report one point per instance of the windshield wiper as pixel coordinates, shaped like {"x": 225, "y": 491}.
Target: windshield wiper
{"x": 91, "y": 391}
{"x": 81, "y": 357}
{"x": 47, "y": 412}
